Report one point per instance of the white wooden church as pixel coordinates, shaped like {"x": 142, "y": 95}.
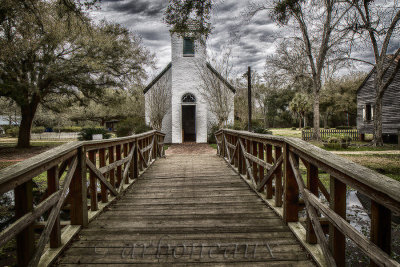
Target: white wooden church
{"x": 189, "y": 117}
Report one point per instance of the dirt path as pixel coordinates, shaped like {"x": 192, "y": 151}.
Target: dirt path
{"x": 383, "y": 152}
{"x": 190, "y": 148}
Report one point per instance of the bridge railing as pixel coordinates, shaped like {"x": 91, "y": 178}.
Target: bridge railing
{"x": 82, "y": 178}
{"x": 285, "y": 172}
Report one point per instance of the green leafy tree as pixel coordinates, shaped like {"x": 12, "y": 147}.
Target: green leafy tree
{"x": 300, "y": 105}
{"x": 184, "y": 14}
{"x": 63, "y": 56}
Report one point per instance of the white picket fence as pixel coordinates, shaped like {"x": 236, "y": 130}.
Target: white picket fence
{"x": 54, "y": 135}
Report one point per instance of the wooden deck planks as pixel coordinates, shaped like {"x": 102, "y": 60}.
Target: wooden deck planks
{"x": 187, "y": 210}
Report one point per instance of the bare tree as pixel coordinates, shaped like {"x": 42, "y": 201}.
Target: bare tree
{"x": 320, "y": 28}
{"x": 213, "y": 87}
{"x": 379, "y": 22}
{"x": 159, "y": 101}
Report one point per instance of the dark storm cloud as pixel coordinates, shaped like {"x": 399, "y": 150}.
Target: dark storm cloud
{"x": 147, "y": 8}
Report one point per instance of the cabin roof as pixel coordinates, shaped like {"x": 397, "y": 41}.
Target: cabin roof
{"x": 372, "y": 71}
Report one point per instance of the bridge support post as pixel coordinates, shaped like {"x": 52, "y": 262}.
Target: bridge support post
{"x": 270, "y": 161}
{"x": 25, "y": 239}
{"x": 291, "y": 191}
{"x": 78, "y": 191}
{"x": 53, "y": 186}
{"x": 278, "y": 179}
{"x": 312, "y": 185}
{"x": 135, "y": 160}
{"x": 337, "y": 240}
{"x": 381, "y": 227}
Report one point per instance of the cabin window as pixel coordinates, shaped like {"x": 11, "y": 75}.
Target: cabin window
{"x": 188, "y": 47}
{"x": 368, "y": 112}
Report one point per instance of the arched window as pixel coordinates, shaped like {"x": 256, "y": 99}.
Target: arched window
{"x": 188, "y": 98}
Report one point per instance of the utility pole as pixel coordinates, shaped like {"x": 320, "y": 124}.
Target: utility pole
{"x": 249, "y": 95}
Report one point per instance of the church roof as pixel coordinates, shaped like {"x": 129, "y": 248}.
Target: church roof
{"x": 214, "y": 71}
{"x": 153, "y": 82}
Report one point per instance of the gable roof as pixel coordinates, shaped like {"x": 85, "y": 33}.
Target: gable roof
{"x": 214, "y": 71}
{"x": 220, "y": 77}
{"x": 372, "y": 71}
{"x": 157, "y": 78}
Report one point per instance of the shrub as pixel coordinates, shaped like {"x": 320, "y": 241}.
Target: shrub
{"x": 211, "y": 134}
{"x": 294, "y": 128}
{"x": 86, "y": 133}
{"x": 12, "y": 131}
{"x": 68, "y": 129}
{"x": 307, "y": 128}
{"x": 237, "y": 125}
{"x": 337, "y": 141}
{"x": 131, "y": 126}
{"x": 39, "y": 129}
{"x": 327, "y": 127}
{"x": 261, "y": 130}
{"x": 343, "y": 127}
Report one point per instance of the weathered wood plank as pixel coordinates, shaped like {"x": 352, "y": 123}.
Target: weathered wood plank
{"x": 192, "y": 200}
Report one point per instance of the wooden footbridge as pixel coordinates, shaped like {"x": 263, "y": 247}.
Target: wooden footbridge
{"x": 257, "y": 202}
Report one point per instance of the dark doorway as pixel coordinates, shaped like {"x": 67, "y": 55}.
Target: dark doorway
{"x": 189, "y": 123}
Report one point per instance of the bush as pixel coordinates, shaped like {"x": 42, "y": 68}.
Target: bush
{"x": 86, "y": 133}
{"x": 294, "y": 128}
{"x": 68, "y": 129}
{"x": 327, "y": 127}
{"x": 131, "y": 126}
{"x": 307, "y": 128}
{"x": 211, "y": 134}
{"x": 337, "y": 141}
{"x": 39, "y": 129}
{"x": 261, "y": 130}
{"x": 12, "y": 131}
{"x": 343, "y": 127}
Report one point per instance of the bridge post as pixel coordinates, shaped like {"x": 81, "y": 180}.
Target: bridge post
{"x": 381, "y": 227}
{"x": 255, "y": 165}
{"x": 102, "y": 159}
{"x": 119, "y": 168}
{"x": 131, "y": 166}
{"x": 126, "y": 153}
{"x": 111, "y": 160}
{"x": 278, "y": 179}
{"x": 136, "y": 160}
{"x": 93, "y": 183}
{"x": 78, "y": 191}
{"x": 291, "y": 191}
{"x": 25, "y": 239}
{"x": 52, "y": 187}
{"x": 270, "y": 161}
{"x": 312, "y": 185}
{"x": 261, "y": 156}
{"x": 337, "y": 240}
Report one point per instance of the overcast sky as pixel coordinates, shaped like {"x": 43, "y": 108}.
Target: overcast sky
{"x": 251, "y": 41}
{"x": 144, "y": 17}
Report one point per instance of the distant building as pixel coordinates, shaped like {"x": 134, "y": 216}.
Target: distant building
{"x": 390, "y": 107}
{"x": 9, "y": 120}
{"x": 189, "y": 116}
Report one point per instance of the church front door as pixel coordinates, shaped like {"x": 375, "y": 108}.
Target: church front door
{"x": 189, "y": 123}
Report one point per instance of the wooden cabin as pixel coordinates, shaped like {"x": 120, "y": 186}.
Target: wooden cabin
{"x": 391, "y": 105}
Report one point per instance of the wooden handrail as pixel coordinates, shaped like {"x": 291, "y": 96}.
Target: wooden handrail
{"x": 253, "y": 154}
{"x": 76, "y": 159}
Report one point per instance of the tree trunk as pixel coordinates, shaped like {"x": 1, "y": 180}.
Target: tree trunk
{"x": 316, "y": 135}
{"x": 300, "y": 123}
{"x": 27, "y": 115}
{"x": 378, "y": 141}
